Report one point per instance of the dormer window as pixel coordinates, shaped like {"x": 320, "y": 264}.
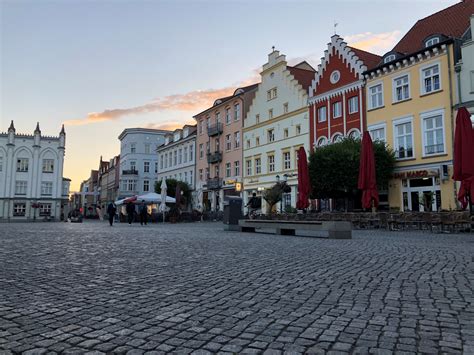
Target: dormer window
{"x": 432, "y": 41}
{"x": 389, "y": 58}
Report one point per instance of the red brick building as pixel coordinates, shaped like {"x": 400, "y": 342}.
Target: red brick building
{"x": 336, "y": 95}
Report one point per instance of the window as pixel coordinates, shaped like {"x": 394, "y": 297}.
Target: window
{"x": 133, "y": 165}
{"x": 432, "y": 42}
{"x": 170, "y": 159}
{"x": 272, "y": 94}
{"x": 217, "y": 145}
{"x": 147, "y": 148}
{"x": 270, "y": 114}
{"x": 248, "y": 165}
{"x": 354, "y": 134}
{"x": 200, "y": 174}
{"x": 208, "y": 122}
{"x": 46, "y": 188}
{"x": 322, "y": 114}
{"x": 133, "y": 148}
{"x": 146, "y": 167}
{"x": 218, "y": 117}
{"x": 166, "y": 160}
{"x": 227, "y": 170}
{"x": 377, "y": 133}
{"x": 22, "y": 165}
{"x": 257, "y": 141}
{"x": 403, "y": 139}
{"x": 258, "y": 166}
{"x": 1, "y": 163}
{"x": 45, "y": 209}
{"x": 175, "y": 155}
{"x": 201, "y": 125}
{"x": 186, "y": 176}
{"x": 353, "y": 104}
{"x": 285, "y": 133}
{"x": 401, "y": 88}
{"x": 156, "y": 167}
{"x": 236, "y": 168}
{"x": 216, "y": 171}
{"x": 207, "y": 147}
{"x": 248, "y": 143}
{"x": 48, "y": 165}
{"x": 146, "y": 185}
{"x": 257, "y": 119}
{"x": 228, "y": 142}
{"x": 236, "y": 112}
{"x": 285, "y": 107}
{"x": 180, "y": 156}
{"x": 201, "y": 151}
{"x": 19, "y": 209}
{"x": 336, "y": 109}
{"x": 190, "y": 177}
{"x": 286, "y": 160}
{"x": 20, "y": 187}
{"x": 185, "y": 156}
{"x": 321, "y": 142}
{"x": 389, "y": 58}
{"x": 161, "y": 161}
{"x": 337, "y": 138}
{"x": 433, "y": 134}
{"x": 298, "y": 129}
{"x": 375, "y": 96}
{"x": 191, "y": 153}
{"x": 132, "y": 185}
{"x": 271, "y": 135}
{"x": 237, "y": 140}
{"x": 271, "y": 163}
{"x": 430, "y": 79}
{"x": 227, "y": 116}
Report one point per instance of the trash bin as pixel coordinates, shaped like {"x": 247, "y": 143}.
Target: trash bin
{"x": 232, "y": 212}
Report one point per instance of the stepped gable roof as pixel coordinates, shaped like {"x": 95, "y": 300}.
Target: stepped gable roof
{"x": 303, "y": 76}
{"x": 370, "y": 60}
{"x": 452, "y": 22}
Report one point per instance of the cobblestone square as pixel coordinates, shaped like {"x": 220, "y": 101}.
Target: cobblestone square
{"x": 193, "y": 288}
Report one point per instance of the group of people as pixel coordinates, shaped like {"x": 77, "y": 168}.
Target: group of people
{"x": 131, "y": 212}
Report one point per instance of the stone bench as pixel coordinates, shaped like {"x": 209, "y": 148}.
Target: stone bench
{"x": 335, "y": 229}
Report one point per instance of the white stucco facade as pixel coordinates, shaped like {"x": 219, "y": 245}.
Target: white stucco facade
{"x": 275, "y": 127}
{"x": 138, "y": 160}
{"x": 177, "y": 156}
{"x": 465, "y": 72}
{"x": 31, "y": 176}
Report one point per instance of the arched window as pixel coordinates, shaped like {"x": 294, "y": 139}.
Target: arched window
{"x": 337, "y": 138}
{"x": 354, "y": 134}
{"x": 389, "y": 58}
{"x": 321, "y": 142}
{"x": 432, "y": 41}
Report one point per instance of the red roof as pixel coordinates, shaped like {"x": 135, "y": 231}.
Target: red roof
{"x": 303, "y": 76}
{"x": 451, "y": 22}
{"x": 370, "y": 60}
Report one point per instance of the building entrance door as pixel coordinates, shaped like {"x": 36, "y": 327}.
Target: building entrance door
{"x": 421, "y": 195}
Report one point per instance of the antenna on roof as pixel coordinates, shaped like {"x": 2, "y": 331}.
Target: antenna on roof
{"x": 335, "y": 25}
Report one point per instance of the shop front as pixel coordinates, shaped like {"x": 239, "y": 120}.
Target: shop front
{"x": 424, "y": 190}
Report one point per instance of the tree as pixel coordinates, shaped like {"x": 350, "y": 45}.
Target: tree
{"x": 171, "y": 189}
{"x": 334, "y": 169}
{"x": 273, "y": 195}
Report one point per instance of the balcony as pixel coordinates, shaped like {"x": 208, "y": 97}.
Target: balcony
{"x": 214, "y": 129}
{"x": 215, "y": 157}
{"x": 214, "y": 184}
{"x": 130, "y": 172}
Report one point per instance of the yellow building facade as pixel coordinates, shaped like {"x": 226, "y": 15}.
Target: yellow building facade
{"x": 409, "y": 106}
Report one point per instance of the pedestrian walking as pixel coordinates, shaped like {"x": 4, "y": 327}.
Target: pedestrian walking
{"x": 143, "y": 214}
{"x": 111, "y": 210}
{"x": 130, "y": 212}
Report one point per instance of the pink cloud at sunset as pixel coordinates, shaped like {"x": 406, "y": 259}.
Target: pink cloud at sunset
{"x": 378, "y": 43}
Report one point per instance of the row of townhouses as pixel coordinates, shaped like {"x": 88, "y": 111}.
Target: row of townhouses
{"x": 32, "y": 185}
{"x": 247, "y": 141}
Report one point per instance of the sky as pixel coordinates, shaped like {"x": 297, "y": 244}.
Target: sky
{"x": 102, "y": 66}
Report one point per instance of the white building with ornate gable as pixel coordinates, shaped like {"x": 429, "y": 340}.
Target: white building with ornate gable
{"x": 276, "y": 126}
{"x": 32, "y": 186}
{"x": 177, "y": 156}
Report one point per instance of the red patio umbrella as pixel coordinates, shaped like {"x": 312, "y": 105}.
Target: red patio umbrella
{"x": 367, "y": 180}
{"x": 304, "y": 185}
{"x": 464, "y": 156}
{"x": 130, "y": 199}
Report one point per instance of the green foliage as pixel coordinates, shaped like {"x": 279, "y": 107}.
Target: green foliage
{"x": 171, "y": 189}
{"x": 290, "y": 209}
{"x": 334, "y": 169}
{"x": 273, "y": 195}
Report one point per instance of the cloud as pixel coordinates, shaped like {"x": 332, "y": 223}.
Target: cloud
{"x": 379, "y": 43}
{"x": 169, "y": 126}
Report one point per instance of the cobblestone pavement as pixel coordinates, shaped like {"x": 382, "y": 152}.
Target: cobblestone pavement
{"x": 76, "y": 288}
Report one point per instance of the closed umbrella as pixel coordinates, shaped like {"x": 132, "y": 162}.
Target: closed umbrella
{"x": 163, "y": 198}
{"x": 178, "y": 195}
{"x": 463, "y": 164}
{"x": 304, "y": 186}
{"x": 367, "y": 180}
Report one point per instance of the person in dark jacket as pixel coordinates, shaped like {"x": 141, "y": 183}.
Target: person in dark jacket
{"x": 143, "y": 213}
{"x": 111, "y": 210}
{"x": 130, "y": 212}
